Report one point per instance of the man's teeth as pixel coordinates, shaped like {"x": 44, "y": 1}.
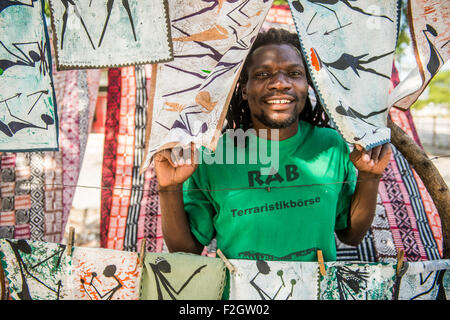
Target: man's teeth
{"x": 279, "y": 101}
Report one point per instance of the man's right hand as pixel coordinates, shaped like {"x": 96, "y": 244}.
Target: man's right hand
{"x": 175, "y": 166}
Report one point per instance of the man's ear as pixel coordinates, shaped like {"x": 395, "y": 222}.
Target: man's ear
{"x": 244, "y": 93}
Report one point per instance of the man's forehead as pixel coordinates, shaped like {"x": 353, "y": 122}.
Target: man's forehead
{"x": 281, "y": 53}
{"x": 277, "y": 52}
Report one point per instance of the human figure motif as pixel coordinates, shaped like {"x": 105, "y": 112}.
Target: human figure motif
{"x": 109, "y": 7}
{"x": 8, "y": 3}
{"x": 12, "y": 127}
{"x": 161, "y": 266}
{"x": 65, "y": 17}
{"x": 108, "y": 272}
{"x": 21, "y": 247}
{"x": 325, "y": 3}
{"x": 350, "y": 282}
{"x": 35, "y": 54}
{"x": 263, "y": 268}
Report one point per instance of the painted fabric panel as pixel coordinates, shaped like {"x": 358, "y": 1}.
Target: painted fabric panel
{"x": 104, "y": 274}
{"x": 35, "y": 270}
{"x": 430, "y": 32}
{"x": 38, "y": 187}
{"x": 210, "y": 43}
{"x": 425, "y": 280}
{"x": 274, "y": 280}
{"x": 28, "y": 119}
{"x": 181, "y": 276}
{"x": 350, "y": 72}
{"x": 108, "y": 33}
{"x": 357, "y": 281}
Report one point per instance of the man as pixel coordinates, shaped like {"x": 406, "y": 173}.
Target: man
{"x": 287, "y": 214}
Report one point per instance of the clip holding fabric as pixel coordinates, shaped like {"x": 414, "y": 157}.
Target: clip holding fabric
{"x": 228, "y": 264}
{"x": 321, "y": 263}
{"x": 142, "y": 253}
{"x": 71, "y": 241}
{"x": 400, "y": 259}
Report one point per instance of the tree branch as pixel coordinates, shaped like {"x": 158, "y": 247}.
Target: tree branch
{"x": 430, "y": 176}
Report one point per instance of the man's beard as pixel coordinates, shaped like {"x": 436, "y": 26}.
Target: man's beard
{"x": 277, "y": 124}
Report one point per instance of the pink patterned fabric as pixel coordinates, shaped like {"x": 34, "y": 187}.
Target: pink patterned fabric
{"x": 124, "y": 164}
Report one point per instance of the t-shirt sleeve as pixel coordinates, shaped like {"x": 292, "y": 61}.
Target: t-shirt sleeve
{"x": 199, "y": 207}
{"x": 348, "y": 188}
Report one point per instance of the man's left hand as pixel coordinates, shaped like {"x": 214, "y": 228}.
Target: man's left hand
{"x": 372, "y": 161}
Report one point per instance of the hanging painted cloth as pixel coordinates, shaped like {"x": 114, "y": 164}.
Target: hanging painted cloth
{"x": 98, "y": 34}
{"x": 38, "y": 187}
{"x": 351, "y": 73}
{"x": 210, "y": 43}
{"x": 425, "y": 280}
{"x": 274, "y": 280}
{"x": 430, "y": 32}
{"x": 357, "y": 281}
{"x": 104, "y": 274}
{"x": 35, "y": 270}
{"x": 405, "y": 217}
{"x": 181, "y": 276}
{"x": 28, "y": 116}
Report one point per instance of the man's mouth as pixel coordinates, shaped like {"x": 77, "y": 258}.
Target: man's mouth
{"x": 279, "y": 103}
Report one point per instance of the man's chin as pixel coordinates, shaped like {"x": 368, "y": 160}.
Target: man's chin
{"x": 277, "y": 123}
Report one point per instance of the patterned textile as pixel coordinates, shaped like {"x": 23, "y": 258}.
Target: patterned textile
{"x": 274, "y": 280}
{"x": 430, "y": 32}
{"x": 104, "y": 274}
{"x": 181, "y": 276}
{"x": 141, "y": 212}
{"x": 35, "y": 270}
{"x": 425, "y": 280}
{"x": 124, "y": 161}
{"x": 98, "y": 34}
{"x": 211, "y": 41}
{"x": 372, "y": 281}
{"x": 109, "y": 150}
{"x": 351, "y": 74}
{"x": 140, "y": 120}
{"x": 27, "y": 98}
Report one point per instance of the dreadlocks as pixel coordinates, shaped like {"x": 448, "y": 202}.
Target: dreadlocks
{"x": 238, "y": 115}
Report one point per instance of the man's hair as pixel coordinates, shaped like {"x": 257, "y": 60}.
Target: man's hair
{"x": 238, "y": 115}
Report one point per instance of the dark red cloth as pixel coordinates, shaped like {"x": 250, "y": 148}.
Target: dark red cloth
{"x": 109, "y": 151}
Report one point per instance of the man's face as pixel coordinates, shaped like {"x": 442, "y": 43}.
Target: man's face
{"x": 277, "y": 88}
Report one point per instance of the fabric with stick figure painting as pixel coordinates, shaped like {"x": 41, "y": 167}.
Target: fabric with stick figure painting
{"x": 430, "y": 33}
{"x": 210, "y": 42}
{"x": 105, "y": 274}
{"x": 110, "y": 33}
{"x": 28, "y": 119}
{"x": 349, "y": 47}
{"x": 35, "y": 270}
{"x": 274, "y": 280}
{"x": 182, "y": 276}
{"x": 357, "y": 281}
{"x": 425, "y": 280}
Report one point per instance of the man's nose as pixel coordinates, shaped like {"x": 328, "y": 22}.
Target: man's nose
{"x": 279, "y": 81}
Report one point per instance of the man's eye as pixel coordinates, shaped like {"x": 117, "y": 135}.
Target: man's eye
{"x": 295, "y": 74}
{"x": 262, "y": 74}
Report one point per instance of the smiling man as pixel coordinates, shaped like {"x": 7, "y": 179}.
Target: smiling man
{"x": 288, "y": 213}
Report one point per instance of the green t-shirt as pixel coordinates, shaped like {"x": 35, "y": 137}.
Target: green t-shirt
{"x": 284, "y": 215}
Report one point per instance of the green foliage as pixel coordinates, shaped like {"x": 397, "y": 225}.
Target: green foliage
{"x": 279, "y": 2}
{"x": 439, "y": 91}
{"x": 47, "y": 8}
